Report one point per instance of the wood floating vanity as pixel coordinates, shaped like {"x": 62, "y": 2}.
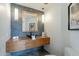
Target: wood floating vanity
{"x": 24, "y": 43}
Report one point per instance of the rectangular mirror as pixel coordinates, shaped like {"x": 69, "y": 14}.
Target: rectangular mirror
{"x": 25, "y": 20}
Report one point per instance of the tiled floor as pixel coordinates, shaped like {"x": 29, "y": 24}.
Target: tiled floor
{"x": 30, "y": 52}
{"x": 43, "y": 52}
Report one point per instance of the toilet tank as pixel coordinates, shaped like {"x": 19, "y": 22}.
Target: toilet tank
{"x": 71, "y": 52}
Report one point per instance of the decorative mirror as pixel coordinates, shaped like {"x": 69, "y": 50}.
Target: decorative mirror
{"x": 29, "y": 21}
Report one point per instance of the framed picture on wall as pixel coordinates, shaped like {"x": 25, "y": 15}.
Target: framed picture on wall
{"x": 31, "y": 27}
{"x": 73, "y": 16}
{"x": 29, "y": 21}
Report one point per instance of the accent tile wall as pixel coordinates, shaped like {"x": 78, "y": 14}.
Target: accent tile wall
{"x": 16, "y": 25}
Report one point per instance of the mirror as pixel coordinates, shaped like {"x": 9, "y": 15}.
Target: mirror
{"x": 29, "y": 22}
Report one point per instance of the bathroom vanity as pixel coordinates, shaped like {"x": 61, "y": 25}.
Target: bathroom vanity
{"x": 26, "y": 31}
{"x": 24, "y": 43}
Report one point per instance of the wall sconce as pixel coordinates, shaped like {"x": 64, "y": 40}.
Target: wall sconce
{"x": 43, "y": 18}
{"x": 16, "y": 14}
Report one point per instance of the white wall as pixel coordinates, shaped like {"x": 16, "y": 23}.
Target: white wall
{"x": 56, "y": 25}
{"x": 71, "y": 37}
{"x": 64, "y": 25}
{"x": 4, "y": 26}
{"x": 53, "y": 29}
{"x": 74, "y": 40}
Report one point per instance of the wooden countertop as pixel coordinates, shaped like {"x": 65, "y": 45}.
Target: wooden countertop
{"x": 23, "y": 43}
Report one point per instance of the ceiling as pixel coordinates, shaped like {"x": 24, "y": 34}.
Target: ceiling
{"x": 37, "y": 6}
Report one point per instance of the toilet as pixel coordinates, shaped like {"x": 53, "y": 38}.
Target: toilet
{"x": 71, "y": 52}
{"x": 68, "y": 51}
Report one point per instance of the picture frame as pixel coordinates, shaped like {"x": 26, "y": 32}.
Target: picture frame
{"x": 73, "y": 16}
{"x": 31, "y": 27}
{"x": 29, "y": 21}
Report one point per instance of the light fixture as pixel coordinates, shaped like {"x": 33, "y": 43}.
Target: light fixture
{"x": 42, "y": 8}
{"x": 45, "y": 3}
{"x": 43, "y": 19}
{"x": 16, "y": 14}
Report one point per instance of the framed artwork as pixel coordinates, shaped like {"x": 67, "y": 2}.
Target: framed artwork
{"x": 29, "y": 21}
{"x": 73, "y": 16}
{"x": 31, "y": 27}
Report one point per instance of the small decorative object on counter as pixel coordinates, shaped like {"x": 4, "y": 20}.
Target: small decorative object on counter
{"x": 15, "y": 38}
{"x": 43, "y": 34}
{"x": 33, "y": 37}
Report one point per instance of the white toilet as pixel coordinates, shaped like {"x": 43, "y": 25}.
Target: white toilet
{"x": 71, "y": 52}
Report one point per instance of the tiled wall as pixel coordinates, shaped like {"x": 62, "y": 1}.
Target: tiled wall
{"x": 16, "y": 25}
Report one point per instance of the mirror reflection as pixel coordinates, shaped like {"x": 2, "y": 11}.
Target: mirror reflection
{"x": 29, "y": 22}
